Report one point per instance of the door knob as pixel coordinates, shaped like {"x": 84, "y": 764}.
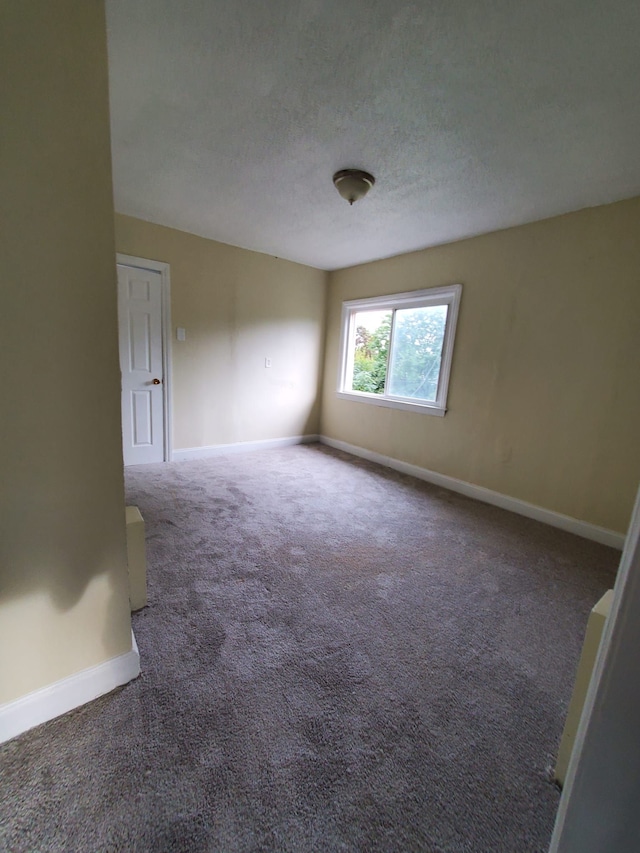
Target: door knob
{"x": 156, "y": 381}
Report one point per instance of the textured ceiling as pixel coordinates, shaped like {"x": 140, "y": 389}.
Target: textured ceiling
{"x": 229, "y": 117}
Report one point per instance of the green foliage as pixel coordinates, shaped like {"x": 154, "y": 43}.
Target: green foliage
{"x": 417, "y": 344}
{"x": 417, "y": 353}
{"x": 370, "y": 358}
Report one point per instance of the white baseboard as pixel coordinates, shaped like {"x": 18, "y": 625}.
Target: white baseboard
{"x": 56, "y": 699}
{"x": 239, "y": 447}
{"x": 555, "y": 519}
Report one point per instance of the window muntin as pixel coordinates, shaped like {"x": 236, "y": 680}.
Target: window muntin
{"x": 397, "y": 350}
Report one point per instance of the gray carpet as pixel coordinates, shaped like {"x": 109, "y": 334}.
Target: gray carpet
{"x": 335, "y": 657}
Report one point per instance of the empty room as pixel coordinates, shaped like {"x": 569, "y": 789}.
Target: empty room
{"x": 320, "y": 357}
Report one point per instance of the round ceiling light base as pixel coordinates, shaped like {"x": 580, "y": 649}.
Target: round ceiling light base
{"x": 353, "y": 184}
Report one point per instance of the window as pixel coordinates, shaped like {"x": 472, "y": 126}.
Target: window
{"x": 396, "y": 350}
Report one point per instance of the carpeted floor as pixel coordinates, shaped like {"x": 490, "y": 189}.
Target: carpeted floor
{"x": 335, "y": 657}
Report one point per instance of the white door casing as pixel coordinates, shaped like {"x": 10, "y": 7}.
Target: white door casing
{"x": 140, "y": 316}
{"x": 598, "y": 809}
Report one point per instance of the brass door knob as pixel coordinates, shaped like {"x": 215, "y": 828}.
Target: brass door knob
{"x": 156, "y": 381}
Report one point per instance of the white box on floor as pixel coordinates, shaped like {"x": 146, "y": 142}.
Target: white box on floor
{"x": 136, "y": 554}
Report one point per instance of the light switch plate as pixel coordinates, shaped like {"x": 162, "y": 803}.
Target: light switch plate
{"x": 181, "y": 334}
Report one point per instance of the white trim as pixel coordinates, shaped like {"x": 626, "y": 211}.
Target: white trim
{"x": 63, "y": 696}
{"x": 208, "y": 451}
{"x": 555, "y": 519}
{"x": 609, "y": 714}
{"x": 408, "y": 298}
{"x": 392, "y": 403}
{"x": 165, "y": 277}
{"x": 449, "y": 295}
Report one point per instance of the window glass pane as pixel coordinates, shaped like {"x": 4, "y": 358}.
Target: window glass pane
{"x": 371, "y": 348}
{"x": 418, "y": 337}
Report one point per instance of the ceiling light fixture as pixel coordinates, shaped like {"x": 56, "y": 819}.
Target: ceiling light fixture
{"x": 353, "y": 184}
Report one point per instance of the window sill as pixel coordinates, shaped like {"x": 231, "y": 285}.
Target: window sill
{"x": 392, "y": 403}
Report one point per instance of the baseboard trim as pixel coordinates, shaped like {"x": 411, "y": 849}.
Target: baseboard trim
{"x": 185, "y": 453}
{"x": 63, "y": 696}
{"x": 555, "y": 519}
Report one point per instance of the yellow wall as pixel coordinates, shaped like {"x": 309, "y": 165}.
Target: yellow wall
{"x": 543, "y": 400}
{"x": 238, "y": 308}
{"x": 63, "y": 579}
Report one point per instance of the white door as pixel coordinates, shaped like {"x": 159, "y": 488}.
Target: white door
{"x": 140, "y": 322}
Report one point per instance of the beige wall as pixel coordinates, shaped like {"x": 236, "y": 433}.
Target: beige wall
{"x": 238, "y": 308}
{"x": 543, "y": 399}
{"x": 63, "y": 582}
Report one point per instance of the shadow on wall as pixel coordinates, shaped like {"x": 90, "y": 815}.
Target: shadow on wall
{"x": 58, "y": 542}
{"x": 311, "y": 424}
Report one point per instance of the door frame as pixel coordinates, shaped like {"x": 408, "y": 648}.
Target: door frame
{"x": 165, "y": 279}
{"x": 601, "y": 775}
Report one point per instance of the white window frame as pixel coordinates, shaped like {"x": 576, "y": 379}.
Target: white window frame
{"x": 450, "y": 296}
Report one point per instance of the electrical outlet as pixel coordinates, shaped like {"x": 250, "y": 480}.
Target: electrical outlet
{"x": 267, "y": 362}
